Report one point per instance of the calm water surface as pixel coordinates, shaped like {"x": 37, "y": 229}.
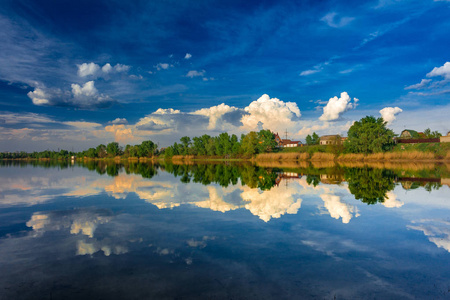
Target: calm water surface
{"x": 136, "y": 231}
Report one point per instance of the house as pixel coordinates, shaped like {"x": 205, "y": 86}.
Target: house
{"x": 409, "y": 134}
{"x": 445, "y": 138}
{"x": 285, "y": 143}
{"x": 331, "y": 139}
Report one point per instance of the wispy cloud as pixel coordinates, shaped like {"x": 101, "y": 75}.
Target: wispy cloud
{"x": 418, "y": 86}
{"x": 333, "y": 20}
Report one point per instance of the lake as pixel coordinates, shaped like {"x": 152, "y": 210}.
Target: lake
{"x": 224, "y": 231}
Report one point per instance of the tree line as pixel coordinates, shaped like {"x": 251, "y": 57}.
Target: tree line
{"x": 224, "y": 145}
{"x": 368, "y": 135}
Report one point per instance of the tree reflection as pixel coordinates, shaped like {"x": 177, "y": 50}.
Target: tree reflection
{"x": 370, "y": 185}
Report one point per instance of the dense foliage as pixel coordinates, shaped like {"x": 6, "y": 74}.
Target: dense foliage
{"x": 369, "y": 135}
{"x": 224, "y": 145}
{"x": 312, "y": 140}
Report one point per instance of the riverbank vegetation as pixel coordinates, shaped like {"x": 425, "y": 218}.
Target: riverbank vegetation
{"x": 368, "y": 140}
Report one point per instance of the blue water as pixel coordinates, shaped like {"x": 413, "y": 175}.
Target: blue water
{"x": 73, "y": 233}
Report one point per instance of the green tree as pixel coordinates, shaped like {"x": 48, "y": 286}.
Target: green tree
{"x": 312, "y": 140}
{"x": 113, "y": 149}
{"x": 370, "y": 185}
{"x": 369, "y": 135}
{"x": 146, "y": 149}
{"x": 101, "y": 151}
{"x": 249, "y": 144}
{"x": 266, "y": 141}
{"x": 185, "y": 143}
{"x": 431, "y": 135}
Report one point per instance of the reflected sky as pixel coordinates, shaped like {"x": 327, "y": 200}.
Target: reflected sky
{"x": 73, "y": 232}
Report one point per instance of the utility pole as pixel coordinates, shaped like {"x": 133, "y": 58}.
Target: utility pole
{"x": 286, "y": 134}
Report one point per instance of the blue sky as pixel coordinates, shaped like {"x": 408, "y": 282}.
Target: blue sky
{"x": 74, "y": 74}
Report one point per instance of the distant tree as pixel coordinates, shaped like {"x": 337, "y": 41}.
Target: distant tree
{"x": 249, "y": 144}
{"x": 235, "y": 145}
{"x": 369, "y": 135}
{"x": 91, "y": 152}
{"x": 370, "y": 185}
{"x": 266, "y": 141}
{"x": 146, "y": 149}
{"x": 101, "y": 151}
{"x": 113, "y": 149}
{"x": 185, "y": 143}
{"x": 431, "y": 135}
{"x": 312, "y": 140}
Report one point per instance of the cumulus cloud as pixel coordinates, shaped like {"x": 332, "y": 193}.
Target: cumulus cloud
{"x": 87, "y": 90}
{"x": 391, "y": 200}
{"x": 337, "y": 106}
{"x": 87, "y": 69}
{"x": 215, "y": 113}
{"x": 166, "y": 111}
{"x": 272, "y": 113}
{"x": 187, "y": 56}
{"x": 122, "y": 133}
{"x": 389, "y": 113}
{"x": 422, "y": 84}
{"x": 194, "y": 73}
{"x": 87, "y": 96}
{"x": 337, "y": 209}
{"x": 333, "y": 20}
{"x": 107, "y": 68}
{"x": 94, "y": 70}
{"x": 39, "y": 97}
{"x": 119, "y": 121}
{"x": 443, "y": 71}
{"x": 121, "y": 68}
{"x": 273, "y": 203}
{"x": 163, "y": 66}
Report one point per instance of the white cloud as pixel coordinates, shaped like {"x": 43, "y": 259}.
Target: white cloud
{"x": 194, "y": 73}
{"x": 443, "y": 71}
{"x": 94, "y": 70}
{"x": 337, "y": 106}
{"x": 39, "y": 97}
{"x": 187, "y": 56}
{"x": 121, "y": 68}
{"x": 87, "y": 96}
{"x": 423, "y": 83}
{"x": 167, "y": 111}
{"x": 215, "y": 113}
{"x": 87, "y": 69}
{"x": 389, "y": 113}
{"x": 337, "y": 209}
{"x": 437, "y": 231}
{"x": 87, "y": 90}
{"x": 162, "y": 66}
{"x": 309, "y": 72}
{"x": 119, "y": 121}
{"x": 272, "y": 203}
{"x": 391, "y": 200}
{"x": 271, "y": 113}
{"x": 107, "y": 68}
{"x": 334, "y": 21}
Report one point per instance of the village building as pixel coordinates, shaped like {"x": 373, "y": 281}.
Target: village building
{"x": 411, "y": 134}
{"x": 286, "y": 143}
{"x": 331, "y": 139}
{"x": 445, "y": 138}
